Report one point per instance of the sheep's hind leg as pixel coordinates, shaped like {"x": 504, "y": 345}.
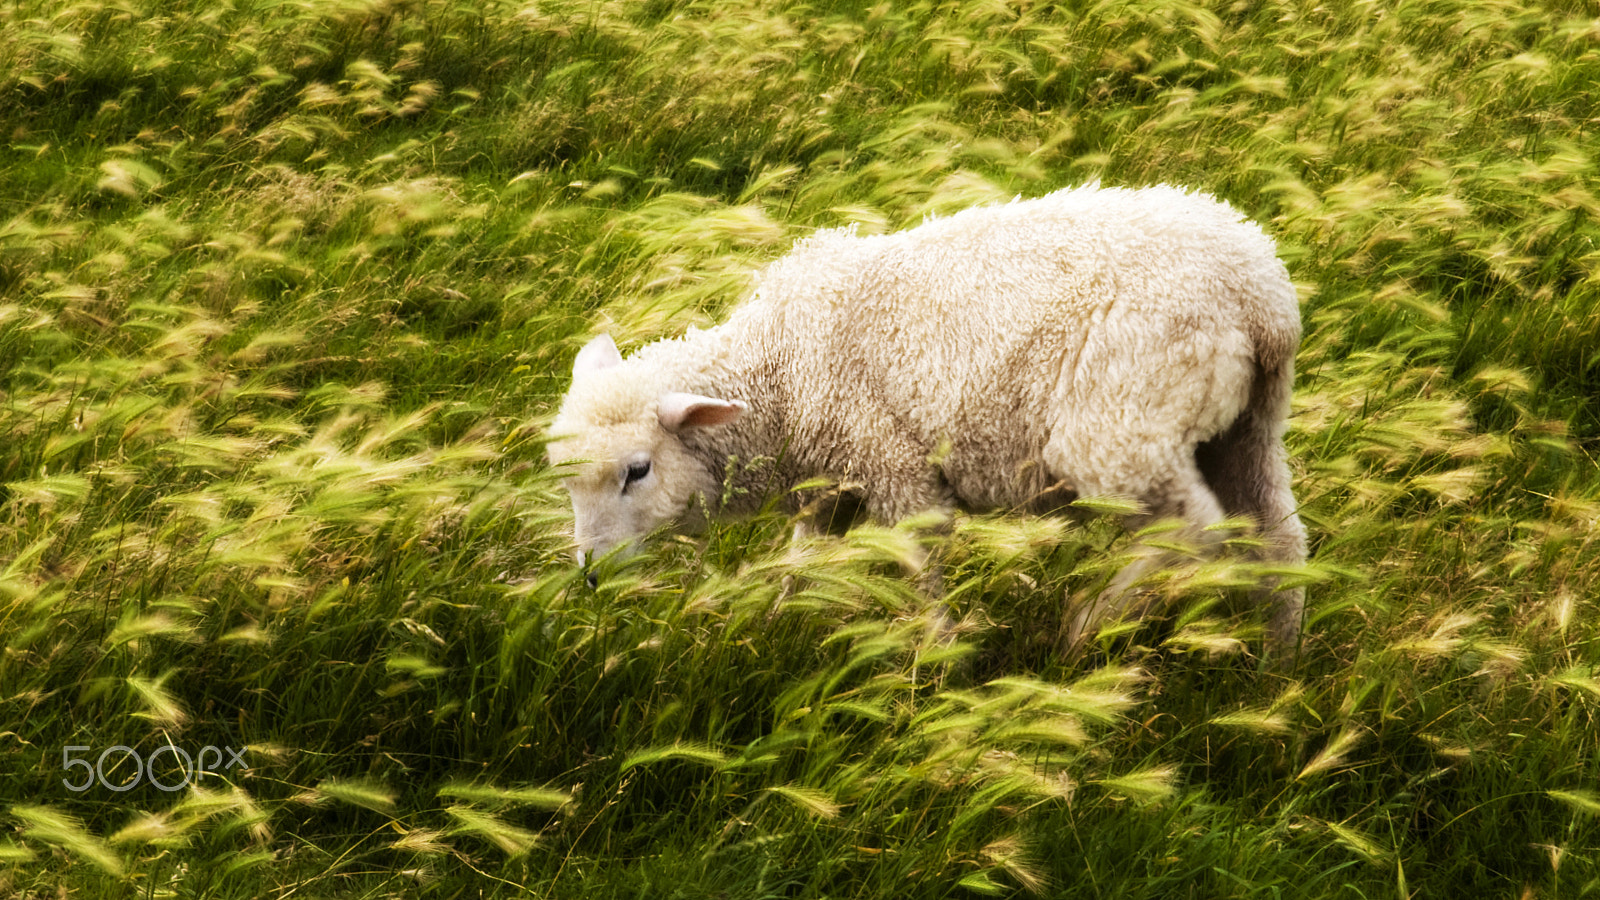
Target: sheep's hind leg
{"x": 1186, "y": 497}
{"x": 1258, "y": 485}
{"x": 1248, "y": 469}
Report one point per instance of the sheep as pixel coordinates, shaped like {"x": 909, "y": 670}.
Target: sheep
{"x": 1093, "y": 341}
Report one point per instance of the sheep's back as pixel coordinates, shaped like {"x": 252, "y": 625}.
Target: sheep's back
{"x": 964, "y": 328}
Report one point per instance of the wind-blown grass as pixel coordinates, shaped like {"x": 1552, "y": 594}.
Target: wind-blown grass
{"x": 287, "y": 292}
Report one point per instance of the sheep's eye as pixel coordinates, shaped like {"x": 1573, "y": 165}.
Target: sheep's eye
{"x": 636, "y": 471}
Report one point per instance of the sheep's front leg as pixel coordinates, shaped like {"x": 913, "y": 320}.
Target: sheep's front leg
{"x": 828, "y": 510}
{"x": 803, "y": 531}
{"x": 912, "y": 491}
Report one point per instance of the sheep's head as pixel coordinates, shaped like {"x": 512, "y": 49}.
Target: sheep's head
{"x": 619, "y": 438}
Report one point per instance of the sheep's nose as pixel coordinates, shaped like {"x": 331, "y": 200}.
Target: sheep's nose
{"x": 590, "y": 579}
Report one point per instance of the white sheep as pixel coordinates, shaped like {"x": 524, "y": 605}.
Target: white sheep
{"x": 1090, "y": 342}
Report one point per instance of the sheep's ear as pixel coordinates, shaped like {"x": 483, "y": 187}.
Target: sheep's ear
{"x": 679, "y": 411}
{"x": 597, "y": 355}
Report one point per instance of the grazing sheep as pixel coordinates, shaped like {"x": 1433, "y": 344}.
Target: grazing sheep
{"x": 1090, "y": 342}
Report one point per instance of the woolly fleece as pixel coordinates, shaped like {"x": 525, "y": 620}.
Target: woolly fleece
{"x": 1092, "y": 341}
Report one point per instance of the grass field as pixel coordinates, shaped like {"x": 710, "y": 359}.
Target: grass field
{"x": 288, "y": 291}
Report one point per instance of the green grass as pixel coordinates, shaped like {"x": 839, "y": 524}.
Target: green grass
{"x": 288, "y": 291}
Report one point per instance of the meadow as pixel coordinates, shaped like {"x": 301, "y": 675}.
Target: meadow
{"x": 288, "y": 292}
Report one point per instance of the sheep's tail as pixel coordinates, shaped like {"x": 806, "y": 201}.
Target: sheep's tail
{"x": 1246, "y": 466}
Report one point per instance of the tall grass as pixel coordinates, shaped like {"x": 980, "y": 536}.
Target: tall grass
{"x": 287, "y": 292}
